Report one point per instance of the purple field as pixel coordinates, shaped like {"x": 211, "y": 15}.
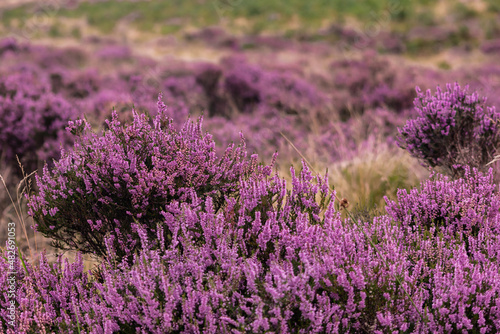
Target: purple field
{"x": 216, "y": 180}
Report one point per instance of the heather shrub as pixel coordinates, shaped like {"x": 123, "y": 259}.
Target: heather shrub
{"x": 265, "y": 124}
{"x": 491, "y": 46}
{"x": 195, "y": 238}
{"x": 250, "y": 85}
{"x": 370, "y": 83}
{"x": 115, "y": 53}
{"x": 50, "y": 57}
{"x": 209, "y": 77}
{"x": 187, "y": 90}
{"x": 269, "y": 261}
{"x": 463, "y": 205}
{"x": 482, "y": 79}
{"x": 454, "y": 128}
{"x": 8, "y": 45}
{"x": 32, "y": 120}
{"x": 281, "y": 259}
{"x": 451, "y": 235}
{"x": 125, "y": 179}
{"x": 81, "y": 84}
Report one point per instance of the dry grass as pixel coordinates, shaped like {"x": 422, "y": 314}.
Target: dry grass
{"x": 376, "y": 171}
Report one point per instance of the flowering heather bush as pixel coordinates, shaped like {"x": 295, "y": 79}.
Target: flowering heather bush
{"x": 32, "y": 119}
{"x": 81, "y": 84}
{"x": 457, "y": 207}
{"x": 185, "y": 90}
{"x": 11, "y": 50}
{"x": 191, "y": 240}
{"x": 265, "y": 123}
{"x": 250, "y": 85}
{"x": 452, "y": 235}
{"x": 123, "y": 180}
{"x": 283, "y": 261}
{"x": 368, "y": 83}
{"x": 454, "y": 128}
{"x": 492, "y": 46}
{"x": 208, "y": 76}
{"x": 238, "y": 92}
{"x": 115, "y": 52}
{"x": 483, "y": 79}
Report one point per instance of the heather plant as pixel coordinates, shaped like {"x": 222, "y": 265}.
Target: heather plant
{"x": 81, "y": 84}
{"x": 185, "y": 89}
{"x": 252, "y": 254}
{"x": 278, "y": 259}
{"x": 8, "y": 45}
{"x": 232, "y": 278}
{"x": 12, "y": 50}
{"x": 115, "y": 53}
{"x": 369, "y": 83}
{"x": 250, "y": 85}
{"x": 47, "y": 57}
{"x": 236, "y": 94}
{"x": 462, "y": 205}
{"x": 266, "y": 124}
{"x": 444, "y": 214}
{"x": 483, "y": 79}
{"x": 491, "y": 46}
{"x": 454, "y": 128}
{"x": 451, "y": 231}
{"x": 121, "y": 181}
{"x": 208, "y": 76}
{"x": 32, "y": 120}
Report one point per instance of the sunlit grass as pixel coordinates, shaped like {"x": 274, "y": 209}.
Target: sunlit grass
{"x": 366, "y": 177}
{"x": 270, "y": 15}
{"x": 372, "y": 175}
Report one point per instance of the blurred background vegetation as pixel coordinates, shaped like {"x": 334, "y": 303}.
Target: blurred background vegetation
{"x": 424, "y": 26}
{"x": 443, "y": 34}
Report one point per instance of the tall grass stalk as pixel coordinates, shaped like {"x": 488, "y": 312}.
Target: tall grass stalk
{"x": 76, "y": 314}
{"x": 20, "y": 191}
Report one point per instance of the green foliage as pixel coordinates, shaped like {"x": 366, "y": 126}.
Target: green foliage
{"x": 145, "y": 15}
{"x": 493, "y": 6}
{"x": 76, "y": 33}
{"x": 463, "y": 12}
{"x": 444, "y": 65}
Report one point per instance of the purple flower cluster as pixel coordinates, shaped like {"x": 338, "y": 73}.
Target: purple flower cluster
{"x": 491, "y": 46}
{"x": 194, "y": 243}
{"x": 279, "y": 258}
{"x": 456, "y": 206}
{"x": 454, "y": 128}
{"x": 451, "y": 237}
{"x": 32, "y": 119}
{"x": 250, "y": 85}
{"x": 369, "y": 83}
{"x": 121, "y": 181}
{"x": 115, "y": 52}
{"x": 239, "y": 93}
{"x": 234, "y": 93}
{"x": 192, "y": 237}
